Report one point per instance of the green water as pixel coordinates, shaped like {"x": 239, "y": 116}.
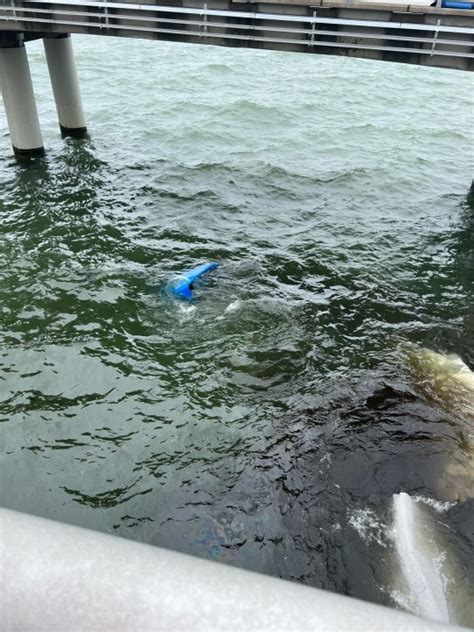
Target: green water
{"x": 260, "y": 424}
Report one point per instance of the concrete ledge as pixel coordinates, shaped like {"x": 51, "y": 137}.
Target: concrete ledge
{"x": 60, "y": 577}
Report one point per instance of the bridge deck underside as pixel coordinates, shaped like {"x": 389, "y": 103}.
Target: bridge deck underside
{"x": 401, "y": 33}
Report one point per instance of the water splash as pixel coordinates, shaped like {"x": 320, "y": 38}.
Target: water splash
{"x": 438, "y": 505}
{"x": 420, "y": 565}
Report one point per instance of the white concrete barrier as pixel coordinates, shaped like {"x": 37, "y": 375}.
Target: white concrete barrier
{"x": 60, "y": 577}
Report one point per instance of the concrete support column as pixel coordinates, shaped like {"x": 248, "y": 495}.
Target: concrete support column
{"x": 19, "y": 101}
{"x": 65, "y": 82}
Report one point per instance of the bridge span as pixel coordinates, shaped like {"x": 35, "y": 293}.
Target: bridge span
{"x": 414, "y": 33}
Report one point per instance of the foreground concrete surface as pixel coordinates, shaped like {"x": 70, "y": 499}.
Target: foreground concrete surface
{"x": 60, "y": 577}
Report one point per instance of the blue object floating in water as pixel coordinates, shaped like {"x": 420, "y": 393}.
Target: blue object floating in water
{"x": 183, "y": 286}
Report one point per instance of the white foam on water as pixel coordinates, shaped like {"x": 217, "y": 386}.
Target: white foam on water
{"x": 327, "y": 458}
{"x": 437, "y": 505}
{"x": 404, "y": 601}
{"x": 422, "y": 571}
{"x": 368, "y": 526}
{"x": 186, "y": 312}
{"x": 232, "y": 307}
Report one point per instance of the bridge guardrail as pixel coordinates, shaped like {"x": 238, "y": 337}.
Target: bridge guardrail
{"x": 310, "y": 29}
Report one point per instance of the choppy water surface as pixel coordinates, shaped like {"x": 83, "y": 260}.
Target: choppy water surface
{"x": 268, "y": 424}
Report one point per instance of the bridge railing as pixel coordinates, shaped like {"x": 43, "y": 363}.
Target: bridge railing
{"x": 303, "y": 28}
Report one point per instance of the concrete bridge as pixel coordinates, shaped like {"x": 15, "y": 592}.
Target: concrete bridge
{"x": 413, "y": 33}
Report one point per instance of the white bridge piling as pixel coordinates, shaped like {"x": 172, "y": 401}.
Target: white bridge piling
{"x": 65, "y": 83}
{"x": 19, "y": 101}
